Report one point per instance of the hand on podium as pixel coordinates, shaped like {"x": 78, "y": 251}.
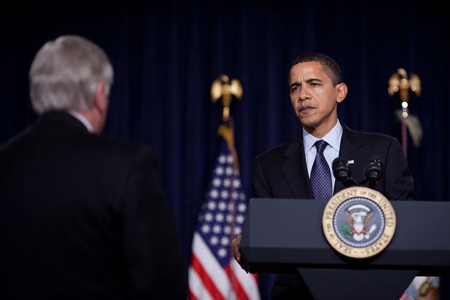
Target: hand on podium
{"x": 237, "y": 253}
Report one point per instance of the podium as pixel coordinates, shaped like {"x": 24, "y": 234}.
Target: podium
{"x": 286, "y": 236}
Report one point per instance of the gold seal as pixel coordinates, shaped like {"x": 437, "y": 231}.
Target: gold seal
{"x": 359, "y": 222}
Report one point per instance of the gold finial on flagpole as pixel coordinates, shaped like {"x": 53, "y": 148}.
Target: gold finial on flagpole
{"x": 223, "y": 88}
{"x": 399, "y": 82}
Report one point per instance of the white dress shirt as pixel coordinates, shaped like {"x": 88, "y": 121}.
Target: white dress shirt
{"x": 81, "y": 119}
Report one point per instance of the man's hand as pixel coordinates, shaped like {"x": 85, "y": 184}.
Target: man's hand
{"x": 237, "y": 253}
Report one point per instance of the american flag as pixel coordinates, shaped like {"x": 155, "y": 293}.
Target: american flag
{"x": 213, "y": 272}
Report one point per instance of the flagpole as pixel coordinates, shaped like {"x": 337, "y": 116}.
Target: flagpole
{"x": 226, "y": 131}
{"x": 229, "y": 133}
{"x": 400, "y": 82}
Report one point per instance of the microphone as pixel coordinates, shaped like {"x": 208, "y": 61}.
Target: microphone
{"x": 374, "y": 171}
{"x": 342, "y": 172}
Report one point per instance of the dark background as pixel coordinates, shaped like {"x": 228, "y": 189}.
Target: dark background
{"x": 167, "y": 54}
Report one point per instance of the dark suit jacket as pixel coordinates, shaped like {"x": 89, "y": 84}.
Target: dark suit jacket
{"x": 84, "y": 216}
{"x": 281, "y": 173}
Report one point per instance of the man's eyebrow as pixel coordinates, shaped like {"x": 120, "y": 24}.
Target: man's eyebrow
{"x": 313, "y": 80}
{"x": 296, "y": 83}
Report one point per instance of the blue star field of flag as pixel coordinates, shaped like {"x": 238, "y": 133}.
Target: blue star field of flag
{"x": 223, "y": 212}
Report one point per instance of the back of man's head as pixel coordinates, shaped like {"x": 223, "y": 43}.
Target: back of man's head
{"x": 65, "y": 72}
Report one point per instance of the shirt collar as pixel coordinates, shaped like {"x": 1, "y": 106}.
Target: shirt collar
{"x": 81, "y": 119}
{"x": 333, "y": 138}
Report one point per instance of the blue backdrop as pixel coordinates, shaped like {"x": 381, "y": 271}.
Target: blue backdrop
{"x": 167, "y": 54}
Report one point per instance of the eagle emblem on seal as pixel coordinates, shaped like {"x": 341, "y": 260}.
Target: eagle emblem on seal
{"x": 359, "y": 218}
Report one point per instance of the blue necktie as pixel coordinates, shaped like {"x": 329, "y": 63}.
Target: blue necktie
{"x": 320, "y": 174}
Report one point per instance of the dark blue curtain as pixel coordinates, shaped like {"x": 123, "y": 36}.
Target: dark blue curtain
{"x": 167, "y": 54}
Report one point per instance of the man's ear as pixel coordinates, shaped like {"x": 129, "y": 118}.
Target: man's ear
{"x": 100, "y": 99}
{"x": 341, "y": 92}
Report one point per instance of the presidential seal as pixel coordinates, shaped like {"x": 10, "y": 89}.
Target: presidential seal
{"x": 359, "y": 222}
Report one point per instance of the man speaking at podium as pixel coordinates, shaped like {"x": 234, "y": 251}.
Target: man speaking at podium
{"x": 302, "y": 167}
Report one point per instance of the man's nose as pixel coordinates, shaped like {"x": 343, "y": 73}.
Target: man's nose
{"x": 304, "y": 94}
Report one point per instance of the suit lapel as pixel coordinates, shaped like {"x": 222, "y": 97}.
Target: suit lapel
{"x": 350, "y": 152}
{"x": 295, "y": 171}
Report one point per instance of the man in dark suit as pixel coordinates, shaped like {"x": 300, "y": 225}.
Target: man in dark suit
{"x": 82, "y": 216}
{"x": 316, "y": 88}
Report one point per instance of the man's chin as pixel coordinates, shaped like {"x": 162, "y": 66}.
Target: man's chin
{"x": 308, "y": 122}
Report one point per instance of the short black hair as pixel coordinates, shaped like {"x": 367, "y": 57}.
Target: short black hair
{"x": 329, "y": 65}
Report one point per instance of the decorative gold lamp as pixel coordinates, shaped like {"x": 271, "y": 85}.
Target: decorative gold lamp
{"x": 223, "y": 88}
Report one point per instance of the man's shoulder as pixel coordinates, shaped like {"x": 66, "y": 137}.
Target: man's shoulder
{"x": 118, "y": 146}
{"x": 369, "y": 137}
{"x": 14, "y": 140}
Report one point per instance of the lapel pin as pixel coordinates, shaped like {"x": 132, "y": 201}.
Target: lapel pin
{"x": 350, "y": 162}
